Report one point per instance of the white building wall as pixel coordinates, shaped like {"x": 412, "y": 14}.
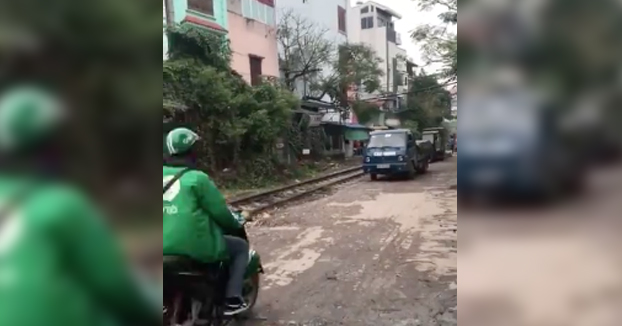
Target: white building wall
{"x": 324, "y": 13}
{"x": 397, "y": 52}
{"x": 376, "y": 38}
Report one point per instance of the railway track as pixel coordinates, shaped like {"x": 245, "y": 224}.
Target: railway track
{"x": 255, "y": 203}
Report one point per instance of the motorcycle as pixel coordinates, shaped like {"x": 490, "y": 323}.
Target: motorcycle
{"x": 194, "y": 293}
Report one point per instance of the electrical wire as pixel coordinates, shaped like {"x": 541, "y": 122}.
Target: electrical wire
{"x": 412, "y": 91}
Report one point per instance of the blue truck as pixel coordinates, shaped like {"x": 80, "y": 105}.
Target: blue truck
{"x": 395, "y": 152}
{"x": 512, "y": 145}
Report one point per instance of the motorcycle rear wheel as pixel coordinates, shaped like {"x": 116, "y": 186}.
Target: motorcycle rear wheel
{"x": 251, "y": 297}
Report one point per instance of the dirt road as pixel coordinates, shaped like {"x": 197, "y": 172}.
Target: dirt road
{"x": 553, "y": 265}
{"x": 371, "y": 253}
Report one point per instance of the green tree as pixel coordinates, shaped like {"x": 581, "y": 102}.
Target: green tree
{"x": 365, "y": 112}
{"x": 355, "y": 65}
{"x": 438, "y": 42}
{"x": 428, "y": 103}
{"x": 239, "y": 124}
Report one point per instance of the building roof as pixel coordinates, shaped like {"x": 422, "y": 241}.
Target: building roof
{"x": 390, "y": 130}
{"x": 381, "y": 7}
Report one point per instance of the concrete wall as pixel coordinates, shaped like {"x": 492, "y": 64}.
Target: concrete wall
{"x": 251, "y": 37}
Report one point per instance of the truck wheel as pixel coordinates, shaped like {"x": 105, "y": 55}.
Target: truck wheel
{"x": 373, "y": 176}
{"x": 423, "y": 167}
{"x": 412, "y": 171}
{"x": 426, "y": 166}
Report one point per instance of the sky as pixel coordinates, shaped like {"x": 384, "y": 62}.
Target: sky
{"x": 412, "y": 17}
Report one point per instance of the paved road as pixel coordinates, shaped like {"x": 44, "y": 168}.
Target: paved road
{"x": 370, "y": 253}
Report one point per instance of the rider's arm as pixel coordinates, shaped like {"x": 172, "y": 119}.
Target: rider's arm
{"x": 213, "y": 202}
{"x": 99, "y": 265}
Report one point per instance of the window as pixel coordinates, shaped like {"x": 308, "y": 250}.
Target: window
{"x": 341, "y": 16}
{"x": 255, "y": 63}
{"x": 202, "y": 6}
{"x": 247, "y": 8}
{"x": 391, "y": 35}
{"x": 372, "y": 8}
{"x": 381, "y": 22}
{"x": 367, "y": 22}
{"x": 388, "y": 139}
{"x": 259, "y": 11}
{"x": 270, "y": 19}
{"x": 364, "y": 10}
{"x": 253, "y": 9}
{"x": 405, "y": 80}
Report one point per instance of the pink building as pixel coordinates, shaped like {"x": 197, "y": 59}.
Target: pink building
{"x": 252, "y": 32}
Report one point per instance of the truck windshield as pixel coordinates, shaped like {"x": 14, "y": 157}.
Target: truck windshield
{"x": 387, "y": 140}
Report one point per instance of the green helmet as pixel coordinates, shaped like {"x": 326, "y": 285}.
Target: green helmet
{"x": 180, "y": 140}
{"x": 27, "y": 115}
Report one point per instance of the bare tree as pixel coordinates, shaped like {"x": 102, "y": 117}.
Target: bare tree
{"x": 304, "y": 50}
{"x": 329, "y": 69}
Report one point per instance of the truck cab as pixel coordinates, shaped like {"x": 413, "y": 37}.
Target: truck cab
{"x": 393, "y": 152}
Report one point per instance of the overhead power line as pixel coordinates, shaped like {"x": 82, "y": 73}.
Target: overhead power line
{"x": 412, "y": 91}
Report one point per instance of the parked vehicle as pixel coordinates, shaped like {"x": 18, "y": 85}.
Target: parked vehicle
{"x": 517, "y": 148}
{"x": 438, "y": 137}
{"x": 425, "y": 148}
{"x": 394, "y": 152}
{"x": 194, "y": 293}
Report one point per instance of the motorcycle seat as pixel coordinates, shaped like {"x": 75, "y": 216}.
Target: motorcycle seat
{"x": 183, "y": 266}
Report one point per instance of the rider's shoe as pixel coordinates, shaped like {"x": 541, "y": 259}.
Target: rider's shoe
{"x": 234, "y": 306}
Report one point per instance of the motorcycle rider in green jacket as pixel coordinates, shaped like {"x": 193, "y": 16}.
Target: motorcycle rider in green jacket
{"x": 196, "y": 216}
{"x": 59, "y": 264}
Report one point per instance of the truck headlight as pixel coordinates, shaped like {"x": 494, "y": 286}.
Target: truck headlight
{"x": 367, "y": 159}
{"x": 400, "y": 158}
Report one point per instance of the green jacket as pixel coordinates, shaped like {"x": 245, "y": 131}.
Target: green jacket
{"x": 60, "y": 265}
{"x": 194, "y": 216}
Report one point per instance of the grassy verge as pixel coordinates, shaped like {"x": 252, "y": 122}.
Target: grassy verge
{"x": 304, "y": 171}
